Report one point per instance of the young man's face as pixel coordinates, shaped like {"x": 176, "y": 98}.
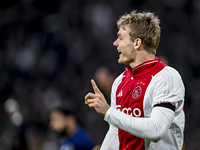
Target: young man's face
{"x": 57, "y": 121}
{"x": 125, "y": 46}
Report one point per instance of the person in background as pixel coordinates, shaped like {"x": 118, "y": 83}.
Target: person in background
{"x": 17, "y": 125}
{"x": 147, "y": 99}
{"x": 73, "y": 136}
{"x": 104, "y": 78}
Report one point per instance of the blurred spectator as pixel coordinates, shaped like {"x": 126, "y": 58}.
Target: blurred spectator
{"x": 104, "y": 78}
{"x": 17, "y": 130}
{"x": 73, "y": 136}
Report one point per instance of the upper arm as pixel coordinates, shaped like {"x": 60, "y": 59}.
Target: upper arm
{"x": 168, "y": 88}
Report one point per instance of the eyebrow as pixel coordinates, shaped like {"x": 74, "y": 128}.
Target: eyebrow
{"x": 119, "y": 34}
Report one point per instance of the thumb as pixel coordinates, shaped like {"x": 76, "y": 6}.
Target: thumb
{"x": 95, "y": 88}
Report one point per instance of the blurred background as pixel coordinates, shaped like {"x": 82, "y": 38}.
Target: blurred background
{"x": 50, "y": 49}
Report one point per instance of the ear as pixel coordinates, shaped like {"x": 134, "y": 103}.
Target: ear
{"x": 137, "y": 43}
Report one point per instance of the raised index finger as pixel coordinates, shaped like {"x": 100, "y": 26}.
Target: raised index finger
{"x": 95, "y": 88}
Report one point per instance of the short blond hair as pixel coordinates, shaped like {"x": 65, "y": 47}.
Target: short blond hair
{"x": 143, "y": 25}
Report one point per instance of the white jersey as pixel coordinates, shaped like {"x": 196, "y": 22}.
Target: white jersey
{"x": 161, "y": 128}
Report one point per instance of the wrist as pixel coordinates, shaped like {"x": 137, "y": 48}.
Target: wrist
{"x": 106, "y": 110}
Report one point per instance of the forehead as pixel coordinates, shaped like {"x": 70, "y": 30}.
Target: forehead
{"x": 56, "y": 114}
{"x": 123, "y": 31}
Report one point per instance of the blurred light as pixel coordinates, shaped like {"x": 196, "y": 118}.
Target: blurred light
{"x": 25, "y": 58}
{"x": 11, "y": 105}
{"x": 17, "y": 118}
{"x": 12, "y": 108}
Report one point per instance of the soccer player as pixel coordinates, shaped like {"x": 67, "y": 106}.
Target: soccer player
{"x": 73, "y": 137}
{"x": 147, "y": 99}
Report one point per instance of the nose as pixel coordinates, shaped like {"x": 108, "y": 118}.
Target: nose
{"x": 115, "y": 43}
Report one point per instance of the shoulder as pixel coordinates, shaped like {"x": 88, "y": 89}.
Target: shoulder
{"x": 118, "y": 80}
{"x": 168, "y": 80}
{"x": 83, "y": 136}
{"x": 168, "y": 75}
{"x": 115, "y": 85}
{"x": 168, "y": 71}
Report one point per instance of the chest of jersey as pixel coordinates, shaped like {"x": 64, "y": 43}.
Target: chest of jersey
{"x": 130, "y": 94}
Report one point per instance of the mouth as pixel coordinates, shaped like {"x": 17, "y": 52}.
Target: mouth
{"x": 120, "y": 53}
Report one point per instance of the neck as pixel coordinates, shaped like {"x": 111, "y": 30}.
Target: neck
{"x": 141, "y": 57}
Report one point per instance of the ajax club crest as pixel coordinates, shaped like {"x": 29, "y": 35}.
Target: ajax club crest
{"x": 137, "y": 92}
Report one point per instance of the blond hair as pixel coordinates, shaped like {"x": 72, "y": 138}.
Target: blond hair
{"x": 143, "y": 25}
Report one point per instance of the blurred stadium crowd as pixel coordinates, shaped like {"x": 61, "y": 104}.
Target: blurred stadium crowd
{"x": 50, "y": 49}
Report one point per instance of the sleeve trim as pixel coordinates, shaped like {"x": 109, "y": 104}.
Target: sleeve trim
{"x": 166, "y": 105}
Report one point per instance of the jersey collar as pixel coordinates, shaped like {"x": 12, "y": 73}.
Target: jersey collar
{"x": 143, "y": 68}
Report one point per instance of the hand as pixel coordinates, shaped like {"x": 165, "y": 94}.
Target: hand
{"x": 97, "y": 100}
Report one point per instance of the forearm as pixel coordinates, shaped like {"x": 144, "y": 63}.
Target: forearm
{"x": 152, "y": 128}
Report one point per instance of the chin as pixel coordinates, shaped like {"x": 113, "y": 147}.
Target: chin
{"x": 60, "y": 132}
{"x": 121, "y": 62}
